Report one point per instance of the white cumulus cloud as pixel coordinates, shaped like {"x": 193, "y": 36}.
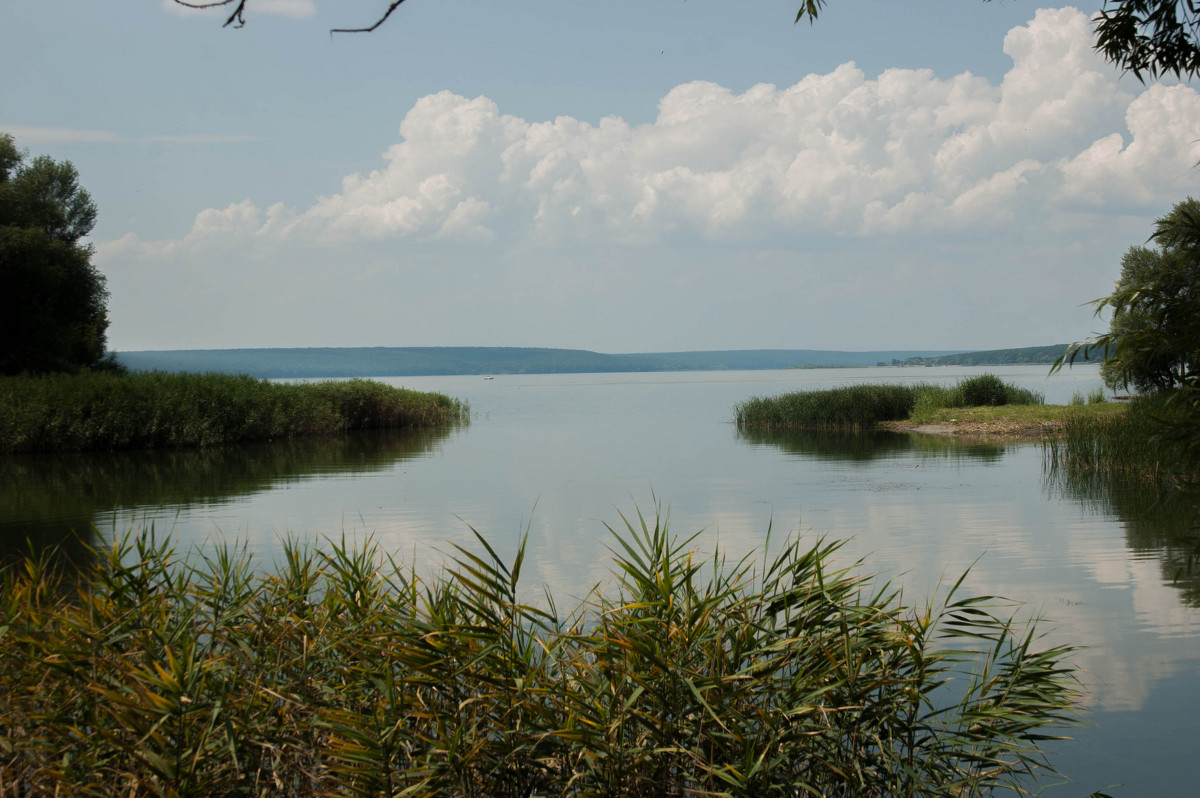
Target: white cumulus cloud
{"x": 835, "y": 154}
{"x": 839, "y": 185}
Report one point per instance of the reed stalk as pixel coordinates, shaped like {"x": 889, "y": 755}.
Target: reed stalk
{"x": 341, "y": 672}
{"x": 1131, "y": 445}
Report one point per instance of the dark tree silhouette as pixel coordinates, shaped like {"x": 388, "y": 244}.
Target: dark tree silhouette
{"x": 53, "y": 314}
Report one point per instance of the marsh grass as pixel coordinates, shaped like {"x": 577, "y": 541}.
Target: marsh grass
{"x": 861, "y": 407}
{"x": 100, "y": 411}
{"x": 851, "y": 407}
{"x": 1128, "y": 441}
{"x": 1094, "y": 397}
{"x": 341, "y": 672}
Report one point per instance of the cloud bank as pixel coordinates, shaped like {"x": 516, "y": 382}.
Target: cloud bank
{"x": 839, "y": 153}
{"x": 902, "y": 160}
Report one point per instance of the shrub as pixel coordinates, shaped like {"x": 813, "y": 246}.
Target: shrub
{"x": 983, "y": 390}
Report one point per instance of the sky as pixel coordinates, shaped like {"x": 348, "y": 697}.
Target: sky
{"x": 645, "y": 176}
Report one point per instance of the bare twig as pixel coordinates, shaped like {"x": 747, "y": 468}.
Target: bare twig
{"x": 236, "y": 16}
{"x": 391, "y": 7}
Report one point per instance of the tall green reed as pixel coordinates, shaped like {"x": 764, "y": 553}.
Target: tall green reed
{"x": 1129, "y": 444}
{"x": 341, "y": 672}
{"x": 851, "y": 407}
{"x": 103, "y": 411}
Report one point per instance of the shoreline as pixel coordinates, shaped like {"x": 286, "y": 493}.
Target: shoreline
{"x": 1004, "y": 422}
{"x": 989, "y": 429}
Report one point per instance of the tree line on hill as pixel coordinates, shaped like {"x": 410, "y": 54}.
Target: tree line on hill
{"x": 431, "y": 361}
{"x": 996, "y": 357}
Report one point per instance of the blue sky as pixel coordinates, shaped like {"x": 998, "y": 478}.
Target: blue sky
{"x": 619, "y": 177}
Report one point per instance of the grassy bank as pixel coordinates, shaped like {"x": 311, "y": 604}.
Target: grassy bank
{"x": 88, "y": 412}
{"x": 866, "y": 406}
{"x": 1024, "y": 421}
{"x": 343, "y": 673}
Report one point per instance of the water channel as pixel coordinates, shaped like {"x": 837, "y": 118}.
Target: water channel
{"x": 559, "y": 457}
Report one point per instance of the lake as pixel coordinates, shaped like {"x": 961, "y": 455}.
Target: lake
{"x": 559, "y": 457}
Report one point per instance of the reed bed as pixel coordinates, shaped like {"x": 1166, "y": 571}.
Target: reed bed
{"x": 1135, "y": 444}
{"x": 102, "y": 411}
{"x": 343, "y": 673}
{"x": 861, "y": 407}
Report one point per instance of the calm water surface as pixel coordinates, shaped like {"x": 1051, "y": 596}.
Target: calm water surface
{"x": 561, "y": 456}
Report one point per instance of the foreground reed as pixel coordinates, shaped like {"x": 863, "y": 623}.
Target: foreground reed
{"x": 102, "y": 411}
{"x": 861, "y": 407}
{"x": 342, "y": 673}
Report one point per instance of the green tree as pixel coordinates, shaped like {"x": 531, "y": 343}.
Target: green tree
{"x": 1153, "y": 341}
{"x": 1136, "y": 360}
{"x": 1145, "y": 37}
{"x": 53, "y": 314}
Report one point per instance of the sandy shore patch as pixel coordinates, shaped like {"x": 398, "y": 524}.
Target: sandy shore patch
{"x": 976, "y": 428}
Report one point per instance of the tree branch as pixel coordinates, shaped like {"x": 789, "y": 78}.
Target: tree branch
{"x": 392, "y": 7}
{"x": 236, "y": 16}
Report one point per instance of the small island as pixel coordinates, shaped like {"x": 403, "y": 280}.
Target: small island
{"x": 904, "y": 407}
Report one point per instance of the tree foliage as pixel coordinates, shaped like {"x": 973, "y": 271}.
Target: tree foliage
{"x": 1151, "y": 37}
{"x": 1153, "y": 341}
{"x": 53, "y": 314}
{"x": 1141, "y": 363}
{"x": 1146, "y": 37}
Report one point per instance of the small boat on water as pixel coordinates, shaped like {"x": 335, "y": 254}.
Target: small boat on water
{"x": 488, "y": 377}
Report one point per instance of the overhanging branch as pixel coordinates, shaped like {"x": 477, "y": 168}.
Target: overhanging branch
{"x": 236, "y": 16}
{"x": 392, "y": 7}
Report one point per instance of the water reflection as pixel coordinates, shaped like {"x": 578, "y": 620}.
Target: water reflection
{"x": 1164, "y": 528}
{"x": 1157, "y": 524}
{"x": 559, "y": 456}
{"x": 861, "y": 446}
{"x": 57, "y": 499}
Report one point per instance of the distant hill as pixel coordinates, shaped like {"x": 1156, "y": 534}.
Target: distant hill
{"x": 993, "y": 357}
{"x": 415, "y": 361}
